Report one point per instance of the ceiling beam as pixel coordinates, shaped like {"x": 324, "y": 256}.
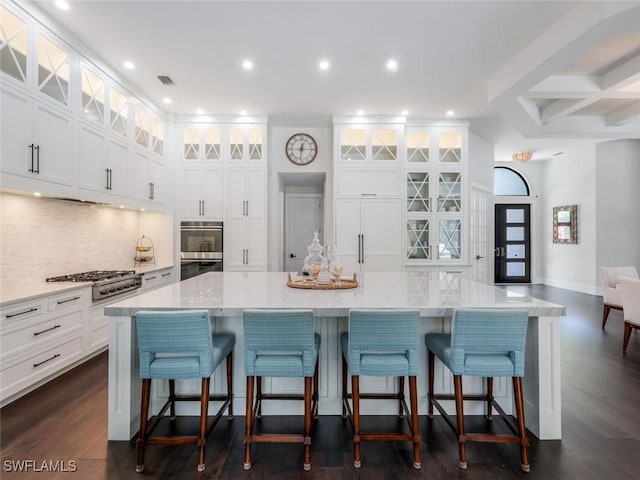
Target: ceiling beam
{"x": 624, "y": 115}
{"x": 623, "y": 75}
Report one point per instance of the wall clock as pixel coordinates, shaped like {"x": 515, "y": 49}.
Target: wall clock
{"x": 301, "y": 149}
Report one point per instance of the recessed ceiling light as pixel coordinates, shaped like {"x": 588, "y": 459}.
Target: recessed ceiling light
{"x": 61, "y": 4}
{"x": 129, "y": 65}
{"x": 200, "y": 111}
{"x": 37, "y": 194}
{"x": 247, "y": 64}
{"x": 450, "y": 113}
{"x": 404, "y": 113}
{"x": 324, "y": 65}
{"x": 166, "y": 100}
{"x": 243, "y": 112}
{"x": 392, "y": 65}
{"x": 360, "y": 113}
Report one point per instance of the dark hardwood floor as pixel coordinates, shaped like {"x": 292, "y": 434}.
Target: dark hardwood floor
{"x": 66, "y": 421}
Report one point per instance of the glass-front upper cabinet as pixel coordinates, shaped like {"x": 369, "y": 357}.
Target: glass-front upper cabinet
{"x": 449, "y": 192}
{"x": 118, "y": 112}
{"x": 450, "y": 147}
{"x": 212, "y": 144}
{"x": 53, "y": 69}
{"x": 14, "y": 45}
{"x": 157, "y": 136}
{"x": 450, "y": 239}
{"x": 246, "y": 142}
{"x": 92, "y": 95}
{"x": 142, "y": 122}
{"x": 202, "y": 143}
{"x": 368, "y": 143}
{"x": 418, "y": 192}
{"x": 417, "y": 147}
{"x": 418, "y": 242}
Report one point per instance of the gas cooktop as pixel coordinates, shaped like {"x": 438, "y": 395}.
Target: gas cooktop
{"x": 92, "y": 276}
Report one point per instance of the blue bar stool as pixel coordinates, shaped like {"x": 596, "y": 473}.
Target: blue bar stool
{"x": 381, "y": 343}
{"x": 180, "y": 344}
{"x": 280, "y": 343}
{"x": 486, "y": 343}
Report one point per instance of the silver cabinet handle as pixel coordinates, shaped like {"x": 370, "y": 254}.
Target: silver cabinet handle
{"x": 362, "y": 241}
{"x": 149, "y": 278}
{"x": 106, "y": 172}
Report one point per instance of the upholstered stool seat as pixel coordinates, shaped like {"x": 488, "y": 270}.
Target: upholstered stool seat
{"x": 611, "y": 294}
{"x": 630, "y": 297}
{"x": 484, "y": 343}
{"x": 381, "y": 343}
{"x": 180, "y": 345}
{"x": 280, "y": 343}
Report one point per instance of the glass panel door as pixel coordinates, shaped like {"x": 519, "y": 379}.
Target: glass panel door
{"x": 212, "y": 138}
{"x": 13, "y": 45}
{"x": 53, "y": 70}
{"x": 353, "y": 144}
{"x": 418, "y": 239}
{"x": 449, "y": 189}
{"x": 418, "y": 199}
{"x": 92, "y": 95}
{"x": 118, "y": 108}
{"x": 450, "y": 239}
{"x": 417, "y": 147}
{"x": 512, "y": 257}
{"x": 450, "y": 147}
{"x": 384, "y": 145}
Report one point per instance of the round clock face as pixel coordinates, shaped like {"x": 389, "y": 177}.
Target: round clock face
{"x": 301, "y": 149}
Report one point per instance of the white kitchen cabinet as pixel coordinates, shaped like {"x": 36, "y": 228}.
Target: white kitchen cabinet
{"x": 435, "y": 186}
{"x": 149, "y": 182}
{"x": 247, "y": 143}
{"x": 36, "y": 139}
{"x": 202, "y": 193}
{"x": 40, "y": 338}
{"x": 245, "y": 225}
{"x": 156, "y": 279}
{"x": 369, "y": 234}
{"x": 102, "y": 162}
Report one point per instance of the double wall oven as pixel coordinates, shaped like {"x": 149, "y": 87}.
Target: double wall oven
{"x": 200, "y": 248}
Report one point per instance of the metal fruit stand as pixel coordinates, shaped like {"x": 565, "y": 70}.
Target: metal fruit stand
{"x": 144, "y": 252}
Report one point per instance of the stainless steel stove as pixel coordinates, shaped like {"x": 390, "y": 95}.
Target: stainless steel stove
{"x": 106, "y": 283}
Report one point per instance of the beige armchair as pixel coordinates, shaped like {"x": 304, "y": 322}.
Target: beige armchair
{"x": 630, "y": 296}
{"x": 610, "y": 291}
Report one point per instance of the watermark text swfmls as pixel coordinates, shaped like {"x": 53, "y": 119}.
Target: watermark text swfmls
{"x": 40, "y": 466}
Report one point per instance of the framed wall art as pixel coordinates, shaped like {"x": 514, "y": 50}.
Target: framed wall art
{"x": 565, "y": 224}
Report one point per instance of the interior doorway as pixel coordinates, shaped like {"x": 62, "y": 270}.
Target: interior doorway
{"x": 513, "y": 243}
{"x": 303, "y": 216}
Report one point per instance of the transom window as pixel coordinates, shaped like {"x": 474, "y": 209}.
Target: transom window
{"x": 508, "y": 182}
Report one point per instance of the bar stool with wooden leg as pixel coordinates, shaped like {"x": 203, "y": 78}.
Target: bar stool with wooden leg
{"x": 381, "y": 343}
{"x": 180, "y": 345}
{"x": 486, "y": 343}
{"x": 280, "y": 343}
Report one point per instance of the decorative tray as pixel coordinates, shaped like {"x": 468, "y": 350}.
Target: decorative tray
{"x": 307, "y": 283}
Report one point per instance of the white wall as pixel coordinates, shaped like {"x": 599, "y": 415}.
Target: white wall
{"x": 618, "y": 205}
{"x": 481, "y": 163}
{"x": 569, "y": 180}
{"x": 279, "y": 163}
{"x": 43, "y": 237}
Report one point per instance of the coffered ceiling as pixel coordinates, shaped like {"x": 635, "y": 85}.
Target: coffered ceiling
{"x": 557, "y": 69}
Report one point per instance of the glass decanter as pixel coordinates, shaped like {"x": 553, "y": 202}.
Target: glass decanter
{"x": 314, "y": 261}
{"x": 336, "y": 265}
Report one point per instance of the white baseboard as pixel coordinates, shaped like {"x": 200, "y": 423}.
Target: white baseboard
{"x": 569, "y": 285}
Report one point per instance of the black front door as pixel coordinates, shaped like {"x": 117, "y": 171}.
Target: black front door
{"x": 513, "y": 245}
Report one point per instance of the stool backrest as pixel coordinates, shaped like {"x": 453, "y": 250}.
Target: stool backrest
{"x": 609, "y": 275}
{"x": 480, "y": 331}
{"x": 175, "y": 332}
{"x": 630, "y": 295}
{"x": 279, "y": 331}
{"x": 384, "y": 330}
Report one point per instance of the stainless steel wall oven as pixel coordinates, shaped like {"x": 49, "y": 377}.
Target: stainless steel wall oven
{"x": 201, "y": 248}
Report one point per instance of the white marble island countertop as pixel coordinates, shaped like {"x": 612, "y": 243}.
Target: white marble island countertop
{"x": 432, "y": 293}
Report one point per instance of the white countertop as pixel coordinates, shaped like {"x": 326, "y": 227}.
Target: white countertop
{"x": 24, "y": 290}
{"x": 433, "y": 293}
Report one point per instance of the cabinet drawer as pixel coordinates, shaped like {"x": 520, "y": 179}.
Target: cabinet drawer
{"x": 17, "y": 375}
{"x": 66, "y": 300}
{"x": 23, "y": 311}
{"x": 156, "y": 279}
{"x": 363, "y": 182}
{"x": 35, "y": 333}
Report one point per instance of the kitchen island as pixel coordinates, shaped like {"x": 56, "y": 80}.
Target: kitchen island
{"x": 434, "y": 293}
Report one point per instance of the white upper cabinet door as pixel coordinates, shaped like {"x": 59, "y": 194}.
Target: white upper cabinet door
{"x": 93, "y": 173}
{"x": 140, "y": 176}
{"x": 191, "y": 201}
{"x": 118, "y": 164}
{"x": 16, "y": 133}
{"x": 159, "y": 193}
{"x": 212, "y": 193}
{"x": 255, "y": 193}
{"x": 52, "y": 136}
{"x": 236, "y": 192}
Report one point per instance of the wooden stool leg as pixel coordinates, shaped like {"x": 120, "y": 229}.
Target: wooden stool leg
{"x": 627, "y": 336}
{"x": 355, "y": 395}
{"x": 457, "y": 384}
{"x": 401, "y": 411}
{"x": 248, "y": 425}
{"x": 172, "y": 398}
{"x": 490, "y": 400}
{"x": 413, "y": 397}
{"x": 345, "y": 374}
{"x": 307, "y": 423}
{"x": 144, "y": 414}
{"x": 230, "y": 384}
{"x": 522, "y": 430}
{"x": 605, "y": 314}
{"x": 204, "y": 413}
{"x": 432, "y": 369}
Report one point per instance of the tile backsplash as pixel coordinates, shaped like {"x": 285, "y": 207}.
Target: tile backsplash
{"x": 43, "y": 237}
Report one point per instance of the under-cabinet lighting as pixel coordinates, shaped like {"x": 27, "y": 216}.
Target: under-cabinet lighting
{"x": 121, "y": 206}
{"x": 450, "y": 113}
{"x": 129, "y": 65}
{"x": 37, "y": 194}
{"x": 61, "y": 4}
{"x": 243, "y": 112}
{"x": 404, "y": 113}
{"x": 360, "y": 113}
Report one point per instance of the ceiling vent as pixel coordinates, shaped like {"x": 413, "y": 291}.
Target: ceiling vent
{"x": 165, "y": 80}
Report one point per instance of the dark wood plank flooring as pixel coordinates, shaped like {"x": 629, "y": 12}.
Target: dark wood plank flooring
{"x": 66, "y": 420}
